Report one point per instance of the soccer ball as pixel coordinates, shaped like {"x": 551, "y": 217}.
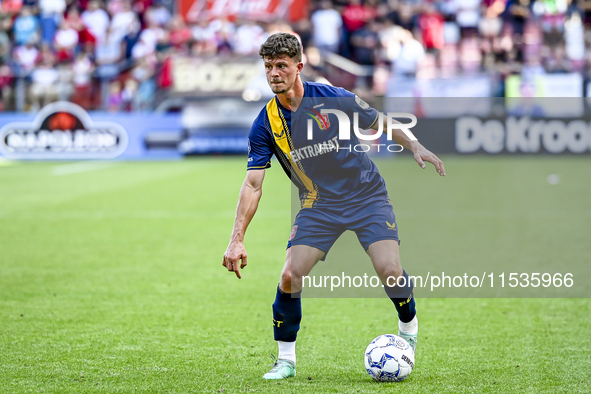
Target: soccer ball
{"x": 389, "y": 358}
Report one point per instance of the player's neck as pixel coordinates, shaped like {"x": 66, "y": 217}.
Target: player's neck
{"x": 292, "y": 98}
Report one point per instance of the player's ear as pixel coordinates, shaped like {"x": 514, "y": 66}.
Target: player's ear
{"x": 300, "y": 66}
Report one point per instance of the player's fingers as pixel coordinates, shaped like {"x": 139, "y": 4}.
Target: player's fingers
{"x": 439, "y": 165}
{"x": 436, "y": 162}
{"x": 237, "y": 270}
{"x": 244, "y": 261}
{"x": 419, "y": 160}
{"x": 229, "y": 265}
{"x": 442, "y": 168}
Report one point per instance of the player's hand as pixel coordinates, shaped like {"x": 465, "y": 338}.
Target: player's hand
{"x": 422, "y": 155}
{"x": 235, "y": 258}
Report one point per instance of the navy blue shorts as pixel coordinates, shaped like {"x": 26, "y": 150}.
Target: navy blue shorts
{"x": 321, "y": 227}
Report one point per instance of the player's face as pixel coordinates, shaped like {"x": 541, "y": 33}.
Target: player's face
{"x": 282, "y": 73}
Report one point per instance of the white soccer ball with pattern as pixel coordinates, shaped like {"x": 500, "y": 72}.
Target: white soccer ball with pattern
{"x": 389, "y": 358}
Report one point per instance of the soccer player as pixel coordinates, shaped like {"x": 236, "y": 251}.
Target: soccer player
{"x": 340, "y": 189}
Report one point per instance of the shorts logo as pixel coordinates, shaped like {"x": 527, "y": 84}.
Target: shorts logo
{"x": 391, "y": 226}
{"x": 294, "y": 230}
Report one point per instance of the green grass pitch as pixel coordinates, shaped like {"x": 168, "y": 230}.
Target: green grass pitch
{"x": 111, "y": 281}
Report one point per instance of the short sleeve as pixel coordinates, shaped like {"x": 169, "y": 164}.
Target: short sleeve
{"x": 368, "y": 116}
{"x": 259, "y": 148}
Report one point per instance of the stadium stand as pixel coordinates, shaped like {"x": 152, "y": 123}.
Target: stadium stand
{"x": 118, "y": 55}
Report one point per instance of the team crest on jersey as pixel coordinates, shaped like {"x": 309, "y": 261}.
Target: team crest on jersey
{"x": 321, "y": 119}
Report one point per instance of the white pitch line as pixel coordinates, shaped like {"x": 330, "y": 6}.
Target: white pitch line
{"x": 77, "y": 168}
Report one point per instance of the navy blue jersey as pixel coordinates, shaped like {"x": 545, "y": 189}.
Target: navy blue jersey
{"x": 327, "y": 170}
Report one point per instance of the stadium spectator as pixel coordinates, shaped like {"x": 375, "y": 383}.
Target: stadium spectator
{"x": 26, "y": 27}
{"x": 157, "y": 14}
{"x": 365, "y": 43}
{"x": 114, "y": 100}
{"x": 517, "y": 13}
{"x": 82, "y": 70}
{"x": 107, "y": 55}
{"x": 124, "y": 22}
{"x": 6, "y": 77}
{"x": 470, "y": 55}
{"x": 65, "y": 42}
{"x": 44, "y": 89}
{"x": 224, "y": 34}
{"x": 468, "y": 16}
{"x": 25, "y": 59}
{"x": 114, "y": 7}
{"x": 180, "y": 34}
{"x": 205, "y": 42}
{"x": 326, "y": 24}
{"x": 96, "y": 20}
{"x": 431, "y": 23}
{"x": 75, "y": 21}
{"x": 248, "y": 39}
{"x": 355, "y": 14}
{"x": 51, "y": 15}
{"x": 391, "y": 41}
{"x": 140, "y": 7}
{"x": 10, "y": 7}
{"x": 148, "y": 40}
{"x": 143, "y": 73}
{"x": 575, "y": 41}
{"x": 46, "y": 54}
{"x": 129, "y": 95}
{"x": 4, "y": 47}
{"x": 403, "y": 16}
{"x": 411, "y": 53}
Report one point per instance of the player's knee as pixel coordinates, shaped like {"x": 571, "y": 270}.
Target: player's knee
{"x": 285, "y": 283}
{"x": 393, "y": 273}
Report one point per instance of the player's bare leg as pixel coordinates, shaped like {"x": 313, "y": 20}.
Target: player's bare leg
{"x": 299, "y": 261}
{"x": 385, "y": 257}
{"x": 287, "y": 308}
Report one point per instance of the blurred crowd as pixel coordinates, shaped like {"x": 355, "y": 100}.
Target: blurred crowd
{"x": 117, "y": 55}
{"x": 443, "y": 38}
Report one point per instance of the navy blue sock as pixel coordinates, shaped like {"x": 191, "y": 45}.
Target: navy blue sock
{"x": 287, "y": 314}
{"x": 403, "y": 298}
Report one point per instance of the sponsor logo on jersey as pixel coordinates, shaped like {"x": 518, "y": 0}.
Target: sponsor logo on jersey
{"x": 314, "y": 150}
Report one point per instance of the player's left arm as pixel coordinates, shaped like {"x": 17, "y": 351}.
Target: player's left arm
{"x": 421, "y": 154}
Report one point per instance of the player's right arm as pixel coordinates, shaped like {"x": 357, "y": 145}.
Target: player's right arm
{"x": 248, "y": 202}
